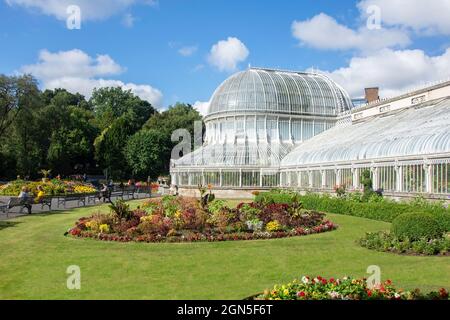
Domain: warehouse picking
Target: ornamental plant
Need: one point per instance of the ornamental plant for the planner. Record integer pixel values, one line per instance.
(273, 226)
(347, 288)
(388, 242)
(159, 222)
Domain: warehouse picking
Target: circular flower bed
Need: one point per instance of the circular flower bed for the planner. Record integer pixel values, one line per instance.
(179, 219)
(319, 288)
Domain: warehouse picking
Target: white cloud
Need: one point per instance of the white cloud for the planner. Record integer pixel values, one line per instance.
(201, 107)
(76, 71)
(394, 71)
(430, 17)
(324, 32)
(128, 20)
(187, 50)
(227, 54)
(90, 10)
(73, 63)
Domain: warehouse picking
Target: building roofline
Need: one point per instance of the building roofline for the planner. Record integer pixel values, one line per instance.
(427, 88)
(283, 70)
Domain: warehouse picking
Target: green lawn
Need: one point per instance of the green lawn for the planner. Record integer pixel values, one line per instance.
(35, 255)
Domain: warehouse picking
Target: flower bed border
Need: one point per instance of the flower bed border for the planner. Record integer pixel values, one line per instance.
(392, 250)
(325, 226)
(347, 288)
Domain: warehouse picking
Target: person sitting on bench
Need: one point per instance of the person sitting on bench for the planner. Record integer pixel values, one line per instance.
(25, 196)
(104, 192)
(40, 195)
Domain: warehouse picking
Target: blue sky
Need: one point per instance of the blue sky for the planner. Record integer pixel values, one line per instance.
(164, 50)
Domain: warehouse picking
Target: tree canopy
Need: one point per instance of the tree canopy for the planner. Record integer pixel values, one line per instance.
(115, 130)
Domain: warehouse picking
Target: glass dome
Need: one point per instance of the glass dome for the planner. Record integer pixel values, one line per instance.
(255, 118)
(281, 92)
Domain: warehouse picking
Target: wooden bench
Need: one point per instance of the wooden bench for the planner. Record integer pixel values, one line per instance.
(20, 202)
(92, 197)
(80, 198)
(129, 192)
(46, 202)
(116, 194)
(3, 208)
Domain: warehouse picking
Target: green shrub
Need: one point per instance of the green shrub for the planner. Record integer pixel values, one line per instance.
(385, 210)
(388, 242)
(274, 197)
(416, 226)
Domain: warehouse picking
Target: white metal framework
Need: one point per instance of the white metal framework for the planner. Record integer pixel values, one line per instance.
(270, 128)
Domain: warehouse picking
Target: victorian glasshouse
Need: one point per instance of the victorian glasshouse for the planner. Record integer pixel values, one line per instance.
(270, 128)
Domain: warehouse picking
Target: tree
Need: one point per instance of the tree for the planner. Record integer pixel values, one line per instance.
(112, 103)
(179, 116)
(15, 94)
(109, 146)
(20, 101)
(72, 144)
(145, 153)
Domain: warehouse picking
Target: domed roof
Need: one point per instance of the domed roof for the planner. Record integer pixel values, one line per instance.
(281, 92)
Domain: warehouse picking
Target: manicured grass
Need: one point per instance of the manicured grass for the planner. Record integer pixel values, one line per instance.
(35, 255)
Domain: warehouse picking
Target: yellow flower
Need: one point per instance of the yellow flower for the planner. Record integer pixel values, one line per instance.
(83, 189)
(93, 225)
(273, 226)
(146, 218)
(104, 228)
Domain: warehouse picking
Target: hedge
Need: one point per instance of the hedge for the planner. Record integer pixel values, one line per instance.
(386, 210)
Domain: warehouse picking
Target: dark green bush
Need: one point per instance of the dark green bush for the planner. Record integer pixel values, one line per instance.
(274, 197)
(416, 226)
(385, 210)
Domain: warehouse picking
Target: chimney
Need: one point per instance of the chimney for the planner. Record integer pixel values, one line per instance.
(372, 94)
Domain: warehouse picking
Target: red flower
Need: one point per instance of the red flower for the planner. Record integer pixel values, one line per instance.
(75, 232)
(388, 282)
(331, 280)
(324, 281)
(301, 294)
(443, 293)
(369, 293)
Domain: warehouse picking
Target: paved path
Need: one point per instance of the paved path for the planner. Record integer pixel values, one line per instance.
(37, 208)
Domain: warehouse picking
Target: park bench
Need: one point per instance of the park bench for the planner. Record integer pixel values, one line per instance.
(116, 194)
(19, 202)
(3, 207)
(45, 202)
(92, 197)
(79, 198)
(129, 192)
(25, 203)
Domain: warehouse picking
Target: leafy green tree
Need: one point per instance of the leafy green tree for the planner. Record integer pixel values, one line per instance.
(144, 153)
(16, 93)
(179, 116)
(19, 146)
(110, 145)
(72, 144)
(112, 103)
